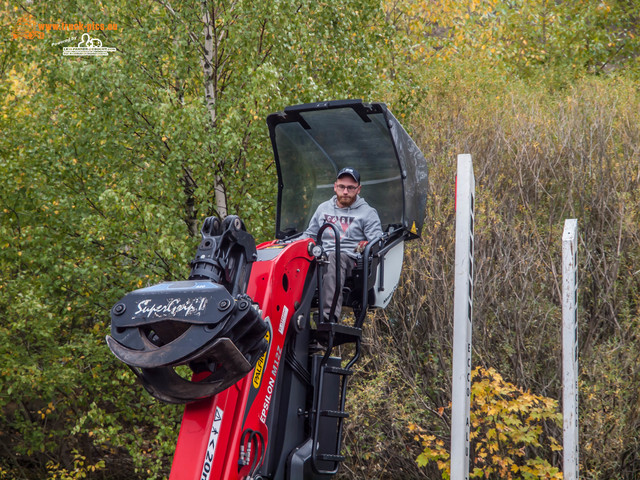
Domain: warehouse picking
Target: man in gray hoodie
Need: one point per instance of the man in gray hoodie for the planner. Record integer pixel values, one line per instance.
(358, 223)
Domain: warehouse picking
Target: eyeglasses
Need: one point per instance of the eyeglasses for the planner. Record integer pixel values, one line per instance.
(350, 188)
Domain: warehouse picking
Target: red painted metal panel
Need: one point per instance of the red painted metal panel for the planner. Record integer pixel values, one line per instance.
(209, 441)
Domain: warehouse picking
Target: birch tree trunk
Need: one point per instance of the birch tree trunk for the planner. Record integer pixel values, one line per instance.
(209, 63)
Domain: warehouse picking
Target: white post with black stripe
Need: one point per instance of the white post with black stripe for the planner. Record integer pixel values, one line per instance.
(462, 320)
(570, 350)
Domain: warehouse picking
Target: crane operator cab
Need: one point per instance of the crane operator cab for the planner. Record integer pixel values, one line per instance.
(312, 143)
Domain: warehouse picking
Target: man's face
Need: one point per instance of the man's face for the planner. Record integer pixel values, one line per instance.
(347, 189)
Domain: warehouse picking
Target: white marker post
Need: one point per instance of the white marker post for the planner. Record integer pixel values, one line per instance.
(462, 320)
(570, 349)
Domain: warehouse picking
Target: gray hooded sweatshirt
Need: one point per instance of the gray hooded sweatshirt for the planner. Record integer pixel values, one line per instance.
(356, 223)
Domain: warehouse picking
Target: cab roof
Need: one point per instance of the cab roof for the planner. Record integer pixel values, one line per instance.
(313, 142)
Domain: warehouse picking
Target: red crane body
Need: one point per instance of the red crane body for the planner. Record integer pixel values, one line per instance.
(265, 390)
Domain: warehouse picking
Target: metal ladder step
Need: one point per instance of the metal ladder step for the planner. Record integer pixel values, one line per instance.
(342, 333)
(330, 458)
(334, 413)
(338, 370)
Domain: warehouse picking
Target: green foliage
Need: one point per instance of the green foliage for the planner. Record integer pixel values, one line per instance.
(528, 38)
(109, 165)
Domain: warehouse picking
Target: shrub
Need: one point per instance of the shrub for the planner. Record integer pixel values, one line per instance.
(508, 429)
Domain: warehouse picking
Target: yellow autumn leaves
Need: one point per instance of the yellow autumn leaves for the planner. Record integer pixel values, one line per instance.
(507, 430)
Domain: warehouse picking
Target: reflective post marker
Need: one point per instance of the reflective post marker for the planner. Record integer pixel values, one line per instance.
(570, 349)
(462, 320)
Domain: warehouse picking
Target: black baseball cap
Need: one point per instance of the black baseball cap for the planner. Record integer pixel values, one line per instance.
(352, 172)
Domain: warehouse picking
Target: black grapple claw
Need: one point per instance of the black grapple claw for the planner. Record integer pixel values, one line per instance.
(206, 322)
